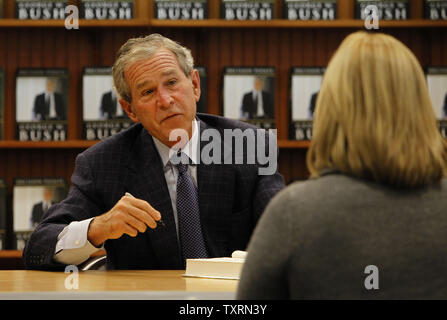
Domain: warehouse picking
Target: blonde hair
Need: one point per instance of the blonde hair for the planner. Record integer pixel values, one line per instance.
(374, 118)
(144, 47)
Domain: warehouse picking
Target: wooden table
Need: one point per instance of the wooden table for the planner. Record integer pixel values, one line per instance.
(123, 285)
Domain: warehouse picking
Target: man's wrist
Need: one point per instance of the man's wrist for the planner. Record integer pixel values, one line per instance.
(94, 234)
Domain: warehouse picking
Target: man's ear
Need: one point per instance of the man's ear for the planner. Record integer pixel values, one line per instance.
(128, 109)
(195, 79)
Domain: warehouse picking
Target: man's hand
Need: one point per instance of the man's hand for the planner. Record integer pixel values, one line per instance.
(128, 216)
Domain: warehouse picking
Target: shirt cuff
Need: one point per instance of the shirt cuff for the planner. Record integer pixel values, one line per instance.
(73, 246)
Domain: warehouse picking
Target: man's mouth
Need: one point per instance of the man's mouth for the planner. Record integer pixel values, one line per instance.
(171, 116)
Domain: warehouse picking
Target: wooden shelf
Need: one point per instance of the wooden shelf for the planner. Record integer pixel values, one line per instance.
(282, 23)
(84, 144)
(16, 23)
(69, 144)
(220, 23)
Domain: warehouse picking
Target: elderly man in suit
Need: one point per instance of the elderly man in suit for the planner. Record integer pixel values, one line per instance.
(125, 185)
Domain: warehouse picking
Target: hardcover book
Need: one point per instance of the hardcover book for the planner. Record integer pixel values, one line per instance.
(102, 113)
(2, 213)
(202, 103)
(40, 9)
(437, 86)
(305, 85)
(247, 9)
(386, 9)
(219, 268)
(249, 95)
(41, 104)
(32, 198)
(107, 9)
(2, 97)
(181, 9)
(310, 9)
(435, 9)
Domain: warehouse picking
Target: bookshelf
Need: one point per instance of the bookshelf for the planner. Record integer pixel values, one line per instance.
(215, 44)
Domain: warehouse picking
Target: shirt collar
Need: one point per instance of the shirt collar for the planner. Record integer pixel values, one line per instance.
(190, 148)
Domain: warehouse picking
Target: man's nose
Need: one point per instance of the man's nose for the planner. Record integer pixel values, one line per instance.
(164, 98)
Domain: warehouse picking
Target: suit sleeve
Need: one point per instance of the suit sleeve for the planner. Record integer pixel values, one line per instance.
(80, 204)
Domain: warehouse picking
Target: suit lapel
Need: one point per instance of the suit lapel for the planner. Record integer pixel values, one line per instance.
(145, 180)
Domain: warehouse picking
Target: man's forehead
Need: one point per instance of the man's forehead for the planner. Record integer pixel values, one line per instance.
(163, 62)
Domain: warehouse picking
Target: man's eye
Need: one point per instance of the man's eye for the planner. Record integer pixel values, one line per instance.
(172, 82)
(147, 92)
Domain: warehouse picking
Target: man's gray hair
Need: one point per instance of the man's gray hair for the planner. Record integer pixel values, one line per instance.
(136, 49)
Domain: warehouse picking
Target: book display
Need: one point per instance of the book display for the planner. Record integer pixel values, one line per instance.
(201, 104)
(305, 85)
(437, 86)
(181, 9)
(249, 95)
(107, 9)
(102, 113)
(435, 9)
(40, 9)
(310, 9)
(386, 9)
(41, 104)
(32, 198)
(247, 9)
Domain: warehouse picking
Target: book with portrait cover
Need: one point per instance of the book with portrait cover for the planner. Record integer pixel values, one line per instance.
(40, 9)
(41, 104)
(305, 85)
(386, 9)
(437, 87)
(310, 9)
(32, 197)
(181, 9)
(2, 213)
(102, 114)
(247, 9)
(435, 9)
(2, 99)
(107, 9)
(203, 101)
(249, 95)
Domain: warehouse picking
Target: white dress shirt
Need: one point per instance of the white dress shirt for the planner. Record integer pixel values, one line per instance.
(73, 246)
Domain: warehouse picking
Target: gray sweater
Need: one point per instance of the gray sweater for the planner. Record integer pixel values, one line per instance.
(316, 238)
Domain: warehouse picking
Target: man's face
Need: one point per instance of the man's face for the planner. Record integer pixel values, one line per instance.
(163, 97)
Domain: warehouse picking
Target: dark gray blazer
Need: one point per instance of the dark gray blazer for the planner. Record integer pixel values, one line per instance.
(231, 199)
